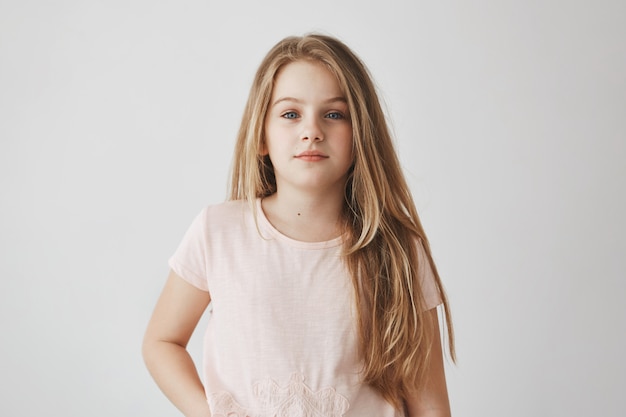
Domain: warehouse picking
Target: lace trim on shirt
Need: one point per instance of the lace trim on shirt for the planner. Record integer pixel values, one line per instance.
(294, 400)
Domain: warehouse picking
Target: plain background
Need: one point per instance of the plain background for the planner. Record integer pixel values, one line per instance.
(117, 123)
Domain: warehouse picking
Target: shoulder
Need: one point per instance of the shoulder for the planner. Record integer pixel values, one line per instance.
(226, 209)
(225, 216)
(232, 210)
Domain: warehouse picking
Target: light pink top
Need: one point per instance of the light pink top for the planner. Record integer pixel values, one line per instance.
(281, 339)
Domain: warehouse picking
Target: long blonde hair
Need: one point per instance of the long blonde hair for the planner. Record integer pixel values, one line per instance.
(381, 223)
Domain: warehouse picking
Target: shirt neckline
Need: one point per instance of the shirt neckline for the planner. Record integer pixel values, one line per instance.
(266, 225)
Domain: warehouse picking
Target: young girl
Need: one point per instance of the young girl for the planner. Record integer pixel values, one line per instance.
(320, 277)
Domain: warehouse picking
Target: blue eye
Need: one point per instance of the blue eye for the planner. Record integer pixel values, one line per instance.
(334, 115)
(290, 115)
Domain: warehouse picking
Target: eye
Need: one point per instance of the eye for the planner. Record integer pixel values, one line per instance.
(289, 115)
(335, 115)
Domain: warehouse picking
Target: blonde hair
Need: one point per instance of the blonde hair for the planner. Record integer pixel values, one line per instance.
(381, 223)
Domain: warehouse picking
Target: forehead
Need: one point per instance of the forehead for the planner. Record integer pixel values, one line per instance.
(307, 79)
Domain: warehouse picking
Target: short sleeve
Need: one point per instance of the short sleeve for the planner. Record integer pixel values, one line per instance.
(190, 259)
(430, 292)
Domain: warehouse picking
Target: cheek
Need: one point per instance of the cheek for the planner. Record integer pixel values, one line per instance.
(348, 139)
(273, 131)
(346, 147)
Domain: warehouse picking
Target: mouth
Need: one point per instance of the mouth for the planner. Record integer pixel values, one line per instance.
(311, 156)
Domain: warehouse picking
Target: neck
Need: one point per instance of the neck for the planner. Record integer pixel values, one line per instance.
(309, 217)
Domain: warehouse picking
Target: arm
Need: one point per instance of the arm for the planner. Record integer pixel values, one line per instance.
(174, 319)
(433, 400)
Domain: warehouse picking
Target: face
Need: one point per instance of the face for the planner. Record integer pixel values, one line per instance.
(308, 133)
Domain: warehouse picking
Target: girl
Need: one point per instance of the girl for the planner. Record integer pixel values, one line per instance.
(320, 277)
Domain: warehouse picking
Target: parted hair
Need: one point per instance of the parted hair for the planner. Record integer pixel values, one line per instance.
(381, 225)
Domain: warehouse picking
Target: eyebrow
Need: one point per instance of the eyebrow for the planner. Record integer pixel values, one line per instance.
(295, 100)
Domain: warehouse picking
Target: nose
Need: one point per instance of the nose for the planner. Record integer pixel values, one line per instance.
(312, 131)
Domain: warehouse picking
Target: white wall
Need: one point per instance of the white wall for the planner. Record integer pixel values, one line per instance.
(117, 121)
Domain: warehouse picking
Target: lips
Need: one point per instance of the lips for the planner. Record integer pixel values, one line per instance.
(311, 156)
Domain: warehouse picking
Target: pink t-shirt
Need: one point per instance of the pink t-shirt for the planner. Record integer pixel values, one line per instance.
(281, 339)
